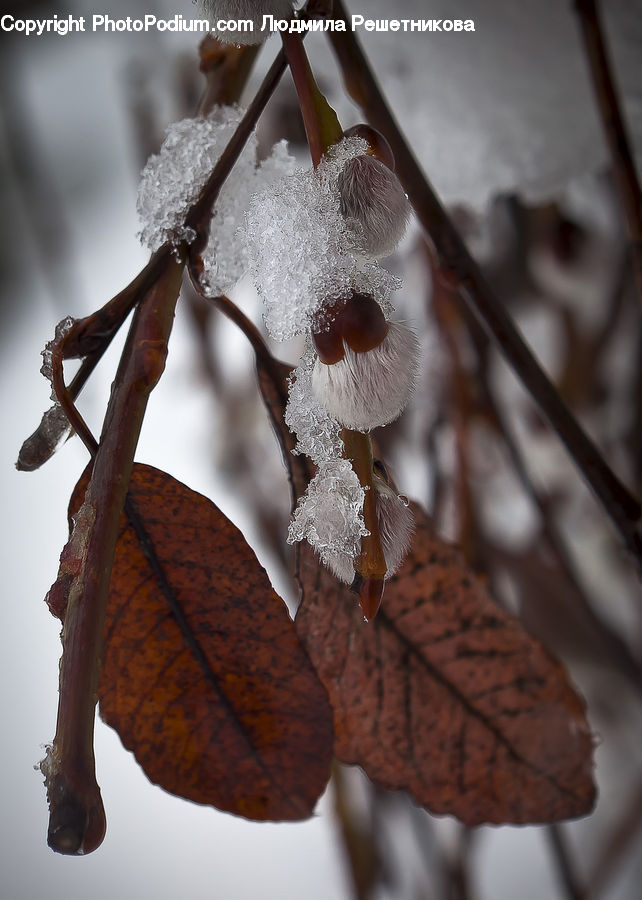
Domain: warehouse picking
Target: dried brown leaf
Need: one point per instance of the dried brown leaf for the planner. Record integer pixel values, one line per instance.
(445, 695)
(203, 676)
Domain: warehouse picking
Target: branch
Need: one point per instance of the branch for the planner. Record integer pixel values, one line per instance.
(620, 505)
(564, 865)
(615, 132)
(88, 338)
(77, 818)
(200, 214)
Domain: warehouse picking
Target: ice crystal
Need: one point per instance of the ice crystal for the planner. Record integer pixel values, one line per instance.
(302, 247)
(318, 435)
(330, 517)
(53, 431)
(172, 180)
(62, 329)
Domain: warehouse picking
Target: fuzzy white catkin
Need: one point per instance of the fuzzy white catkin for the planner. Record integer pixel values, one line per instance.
(396, 524)
(374, 205)
(249, 10)
(365, 390)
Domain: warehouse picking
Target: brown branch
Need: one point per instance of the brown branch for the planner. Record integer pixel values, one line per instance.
(77, 819)
(360, 848)
(200, 214)
(618, 650)
(615, 131)
(615, 847)
(226, 69)
(564, 865)
(322, 126)
(88, 338)
(620, 505)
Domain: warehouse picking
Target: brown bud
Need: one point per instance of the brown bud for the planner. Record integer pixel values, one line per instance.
(378, 146)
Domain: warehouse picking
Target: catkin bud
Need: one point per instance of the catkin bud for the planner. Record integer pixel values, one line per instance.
(378, 145)
(364, 390)
(252, 10)
(396, 524)
(374, 205)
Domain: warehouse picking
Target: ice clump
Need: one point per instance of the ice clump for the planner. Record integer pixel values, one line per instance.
(330, 517)
(318, 435)
(303, 251)
(173, 179)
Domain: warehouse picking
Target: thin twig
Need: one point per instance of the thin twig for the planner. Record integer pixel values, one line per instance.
(617, 844)
(619, 650)
(77, 819)
(200, 214)
(615, 131)
(621, 506)
(564, 865)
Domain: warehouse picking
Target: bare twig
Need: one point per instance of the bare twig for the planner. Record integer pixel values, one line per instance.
(360, 847)
(565, 867)
(615, 132)
(200, 214)
(77, 819)
(618, 843)
(618, 650)
(88, 338)
(621, 506)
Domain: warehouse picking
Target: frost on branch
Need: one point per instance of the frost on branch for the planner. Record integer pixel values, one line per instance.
(172, 180)
(304, 252)
(330, 517)
(54, 428)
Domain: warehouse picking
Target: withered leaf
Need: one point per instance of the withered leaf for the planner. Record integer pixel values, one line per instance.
(203, 676)
(445, 695)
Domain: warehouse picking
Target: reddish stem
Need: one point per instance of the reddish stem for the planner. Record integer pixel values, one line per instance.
(77, 818)
(615, 132)
(322, 127)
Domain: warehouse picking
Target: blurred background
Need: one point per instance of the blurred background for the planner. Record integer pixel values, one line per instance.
(504, 123)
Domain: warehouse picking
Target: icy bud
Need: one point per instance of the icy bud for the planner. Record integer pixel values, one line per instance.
(172, 180)
(330, 517)
(396, 524)
(248, 10)
(302, 247)
(367, 367)
(374, 205)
